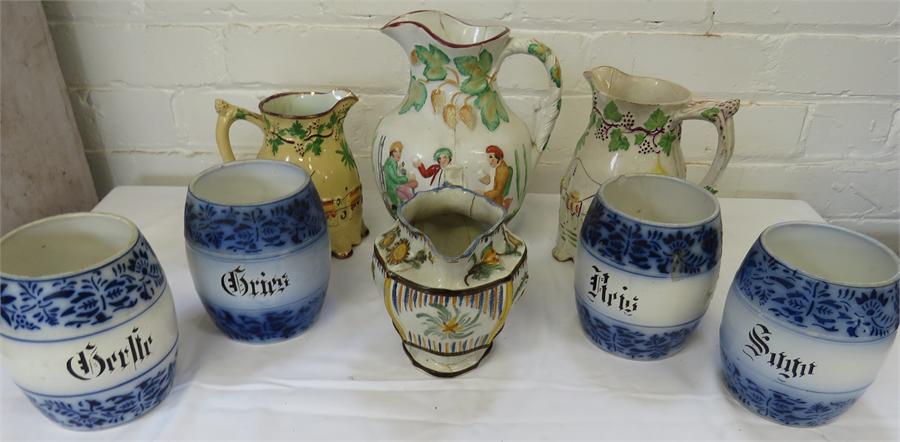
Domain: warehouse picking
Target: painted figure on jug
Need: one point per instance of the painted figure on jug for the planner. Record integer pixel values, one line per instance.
(400, 186)
(498, 187)
(442, 157)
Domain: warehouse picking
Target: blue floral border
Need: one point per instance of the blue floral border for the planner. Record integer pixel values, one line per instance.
(628, 342)
(783, 405)
(649, 250)
(84, 301)
(268, 325)
(279, 226)
(94, 412)
(810, 303)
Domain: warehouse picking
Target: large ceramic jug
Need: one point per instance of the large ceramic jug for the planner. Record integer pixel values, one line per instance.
(453, 127)
(307, 129)
(634, 127)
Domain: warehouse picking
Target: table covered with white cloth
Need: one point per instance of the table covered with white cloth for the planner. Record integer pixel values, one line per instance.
(347, 377)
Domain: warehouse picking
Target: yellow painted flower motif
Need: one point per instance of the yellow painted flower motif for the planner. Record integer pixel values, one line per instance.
(490, 257)
(451, 326)
(388, 239)
(399, 252)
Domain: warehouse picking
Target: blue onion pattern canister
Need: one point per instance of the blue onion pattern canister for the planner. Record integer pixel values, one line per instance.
(809, 319)
(647, 264)
(88, 324)
(258, 249)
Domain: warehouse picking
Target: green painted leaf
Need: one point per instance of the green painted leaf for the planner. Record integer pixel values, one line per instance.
(665, 142)
(611, 112)
(275, 143)
(710, 114)
(656, 120)
(476, 69)
(347, 157)
(539, 50)
(617, 141)
(434, 60)
(711, 190)
(492, 109)
(639, 138)
(297, 130)
(240, 114)
(555, 74)
(415, 96)
(315, 146)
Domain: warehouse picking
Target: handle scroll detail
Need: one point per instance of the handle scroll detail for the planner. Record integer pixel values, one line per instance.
(228, 114)
(720, 114)
(551, 103)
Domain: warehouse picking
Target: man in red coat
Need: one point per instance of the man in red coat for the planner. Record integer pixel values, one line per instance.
(443, 157)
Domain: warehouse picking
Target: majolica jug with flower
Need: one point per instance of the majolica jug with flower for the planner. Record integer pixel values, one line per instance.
(453, 127)
(634, 127)
(449, 272)
(307, 129)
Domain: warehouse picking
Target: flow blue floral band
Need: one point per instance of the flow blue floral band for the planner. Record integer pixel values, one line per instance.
(650, 250)
(807, 302)
(268, 325)
(279, 226)
(86, 301)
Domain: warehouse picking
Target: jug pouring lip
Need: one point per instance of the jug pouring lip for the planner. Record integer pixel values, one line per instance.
(601, 79)
(339, 95)
(493, 209)
(422, 17)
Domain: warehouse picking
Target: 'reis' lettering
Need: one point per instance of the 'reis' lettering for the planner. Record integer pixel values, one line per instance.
(235, 283)
(90, 363)
(599, 283)
(787, 367)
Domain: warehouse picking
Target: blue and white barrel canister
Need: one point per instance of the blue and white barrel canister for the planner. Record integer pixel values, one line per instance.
(257, 245)
(809, 319)
(88, 324)
(647, 264)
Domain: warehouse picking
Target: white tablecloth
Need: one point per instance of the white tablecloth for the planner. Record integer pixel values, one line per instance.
(347, 377)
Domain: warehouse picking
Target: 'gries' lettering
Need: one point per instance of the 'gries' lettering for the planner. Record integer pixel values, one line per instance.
(787, 367)
(236, 283)
(599, 283)
(90, 363)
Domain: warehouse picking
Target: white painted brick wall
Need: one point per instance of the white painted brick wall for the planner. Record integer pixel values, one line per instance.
(819, 81)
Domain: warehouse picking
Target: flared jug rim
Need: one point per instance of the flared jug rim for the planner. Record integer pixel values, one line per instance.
(411, 18)
(470, 249)
(345, 95)
(592, 74)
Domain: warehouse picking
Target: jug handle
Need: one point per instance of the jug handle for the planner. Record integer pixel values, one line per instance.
(549, 106)
(228, 114)
(719, 114)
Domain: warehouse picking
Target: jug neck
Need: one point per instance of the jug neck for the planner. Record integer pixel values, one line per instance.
(310, 108)
(434, 41)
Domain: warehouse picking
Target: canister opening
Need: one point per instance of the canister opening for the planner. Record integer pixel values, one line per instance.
(248, 183)
(65, 245)
(659, 200)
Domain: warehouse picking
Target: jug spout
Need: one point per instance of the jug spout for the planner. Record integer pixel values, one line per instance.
(621, 86)
(442, 30)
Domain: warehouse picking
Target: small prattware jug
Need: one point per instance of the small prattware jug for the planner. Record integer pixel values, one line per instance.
(809, 319)
(307, 129)
(647, 265)
(634, 127)
(88, 321)
(453, 126)
(257, 246)
(449, 272)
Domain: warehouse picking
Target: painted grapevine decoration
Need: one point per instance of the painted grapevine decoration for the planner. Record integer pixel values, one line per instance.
(655, 135)
(314, 141)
